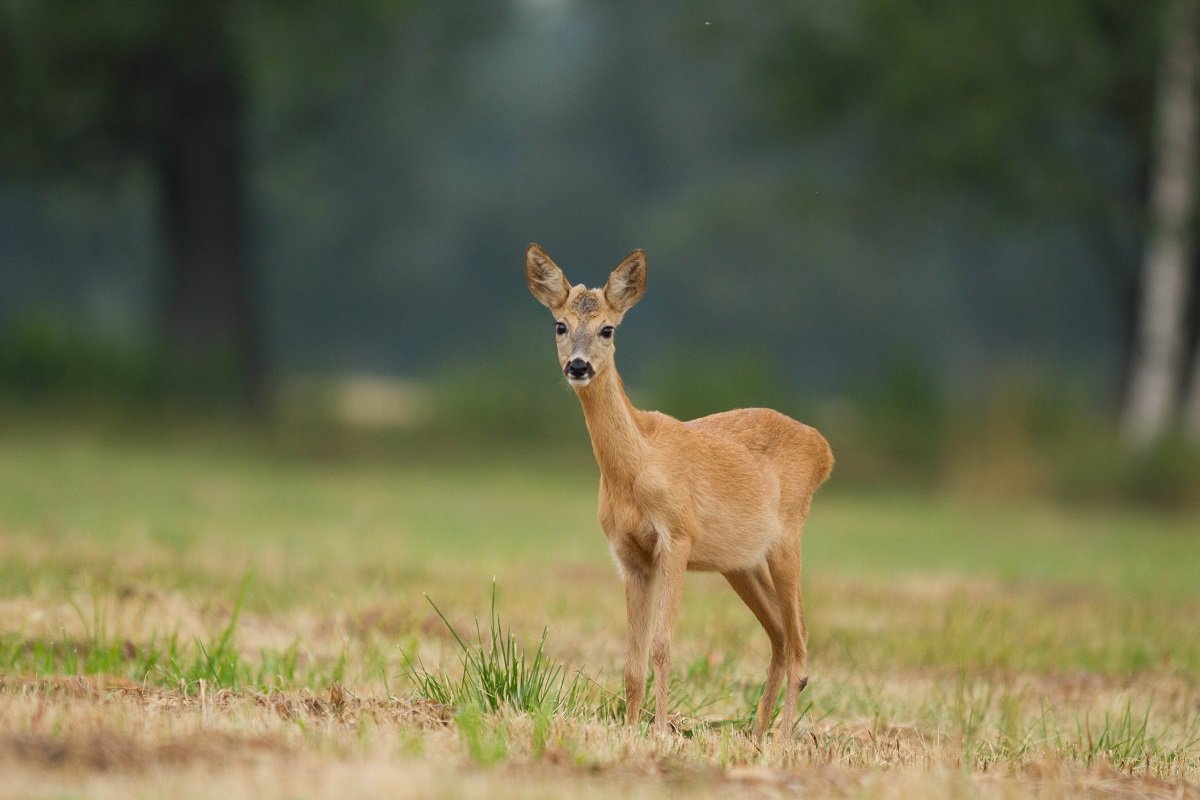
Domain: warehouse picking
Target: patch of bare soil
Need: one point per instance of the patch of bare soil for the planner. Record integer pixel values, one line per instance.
(105, 749)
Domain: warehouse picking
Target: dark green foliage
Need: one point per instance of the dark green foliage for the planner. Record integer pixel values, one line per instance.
(86, 84)
(47, 357)
(1166, 474)
(43, 355)
(1025, 435)
(904, 417)
(705, 383)
(1022, 100)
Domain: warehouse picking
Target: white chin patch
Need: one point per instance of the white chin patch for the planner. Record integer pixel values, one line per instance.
(579, 382)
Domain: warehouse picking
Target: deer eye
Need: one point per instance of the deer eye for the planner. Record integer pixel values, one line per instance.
(606, 332)
(560, 328)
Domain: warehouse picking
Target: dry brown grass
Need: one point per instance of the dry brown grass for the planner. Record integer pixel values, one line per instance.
(870, 732)
(102, 738)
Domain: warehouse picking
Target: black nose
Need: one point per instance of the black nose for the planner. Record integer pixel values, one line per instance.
(578, 368)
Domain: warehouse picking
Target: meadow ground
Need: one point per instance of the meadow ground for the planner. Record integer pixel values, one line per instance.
(190, 614)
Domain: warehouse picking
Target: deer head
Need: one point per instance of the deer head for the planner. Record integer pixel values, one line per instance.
(585, 320)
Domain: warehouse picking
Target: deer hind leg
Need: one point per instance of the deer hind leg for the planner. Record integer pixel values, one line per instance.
(784, 564)
(758, 593)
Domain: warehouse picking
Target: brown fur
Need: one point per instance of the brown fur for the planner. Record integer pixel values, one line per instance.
(727, 493)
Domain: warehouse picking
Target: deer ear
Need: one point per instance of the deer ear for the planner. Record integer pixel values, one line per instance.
(546, 281)
(627, 283)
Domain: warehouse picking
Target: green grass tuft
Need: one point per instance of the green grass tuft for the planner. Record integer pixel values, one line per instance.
(498, 674)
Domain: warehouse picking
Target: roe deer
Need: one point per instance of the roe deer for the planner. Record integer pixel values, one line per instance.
(727, 493)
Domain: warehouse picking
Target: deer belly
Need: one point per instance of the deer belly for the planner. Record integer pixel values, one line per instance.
(722, 547)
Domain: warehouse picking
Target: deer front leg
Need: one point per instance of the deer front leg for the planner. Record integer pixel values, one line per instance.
(638, 608)
(670, 570)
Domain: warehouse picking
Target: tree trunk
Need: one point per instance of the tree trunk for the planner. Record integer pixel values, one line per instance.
(210, 320)
(1191, 409)
(1158, 355)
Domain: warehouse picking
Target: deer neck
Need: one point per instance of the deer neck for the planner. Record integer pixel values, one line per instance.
(612, 423)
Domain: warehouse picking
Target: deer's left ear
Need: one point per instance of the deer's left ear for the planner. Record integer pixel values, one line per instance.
(627, 283)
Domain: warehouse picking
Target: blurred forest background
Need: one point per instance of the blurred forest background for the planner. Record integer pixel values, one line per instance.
(955, 236)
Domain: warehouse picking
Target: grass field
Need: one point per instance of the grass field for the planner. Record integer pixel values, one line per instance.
(197, 614)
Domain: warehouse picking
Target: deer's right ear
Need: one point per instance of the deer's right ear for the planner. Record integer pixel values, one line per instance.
(546, 281)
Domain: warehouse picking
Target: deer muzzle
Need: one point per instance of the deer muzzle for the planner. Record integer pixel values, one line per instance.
(578, 369)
